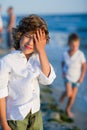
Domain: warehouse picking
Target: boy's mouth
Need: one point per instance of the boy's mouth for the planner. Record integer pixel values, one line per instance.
(28, 47)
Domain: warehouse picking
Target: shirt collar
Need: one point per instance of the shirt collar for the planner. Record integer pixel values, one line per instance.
(20, 53)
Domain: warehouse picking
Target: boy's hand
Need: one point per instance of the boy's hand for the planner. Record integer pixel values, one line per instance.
(5, 127)
(40, 40)
(80, 80)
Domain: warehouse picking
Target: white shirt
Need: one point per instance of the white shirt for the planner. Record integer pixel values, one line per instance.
(73, 65)
(19, 83)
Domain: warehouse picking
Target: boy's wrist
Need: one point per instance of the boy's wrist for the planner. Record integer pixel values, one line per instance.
(6, 127)
(41, 51)
(80, 80)
(3, 122)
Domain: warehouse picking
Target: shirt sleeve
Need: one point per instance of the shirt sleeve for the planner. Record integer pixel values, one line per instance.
(47, 80)
(82, 57)
(4, 78)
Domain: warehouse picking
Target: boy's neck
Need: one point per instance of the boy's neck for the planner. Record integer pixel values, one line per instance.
(71, 52)
(28, 56)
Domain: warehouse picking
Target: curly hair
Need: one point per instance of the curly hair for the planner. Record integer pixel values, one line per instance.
(29, 24)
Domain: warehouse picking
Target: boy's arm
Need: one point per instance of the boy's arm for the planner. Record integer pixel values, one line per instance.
(3, 120)
(4, 78)
(62, 64)
(47, 74)
(45, 66)
(63, 73)
(83, 71)
(40, 42)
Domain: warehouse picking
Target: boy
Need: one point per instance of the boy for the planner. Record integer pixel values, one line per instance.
(73, 68)
(20, 75)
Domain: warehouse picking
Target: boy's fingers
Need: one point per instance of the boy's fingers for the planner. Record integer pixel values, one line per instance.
(35, 39)
(40, 32)
(38, 35)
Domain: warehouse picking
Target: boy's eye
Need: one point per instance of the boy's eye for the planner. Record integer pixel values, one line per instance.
(28, 38)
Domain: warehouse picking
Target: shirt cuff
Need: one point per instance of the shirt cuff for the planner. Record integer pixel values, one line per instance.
(47, 80)
(3, 92)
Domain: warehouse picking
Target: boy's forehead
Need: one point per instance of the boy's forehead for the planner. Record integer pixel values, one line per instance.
(30, 33)
(75, 42)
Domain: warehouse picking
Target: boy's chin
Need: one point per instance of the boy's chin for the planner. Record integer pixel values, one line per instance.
(28, 52)
(74, 49)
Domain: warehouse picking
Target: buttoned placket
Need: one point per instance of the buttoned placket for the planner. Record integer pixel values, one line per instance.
(28, 64)
(33, 71)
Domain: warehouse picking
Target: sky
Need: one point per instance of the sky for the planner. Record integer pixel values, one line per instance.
(45, 6)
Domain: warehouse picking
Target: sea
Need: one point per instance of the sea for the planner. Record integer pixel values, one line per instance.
(60, 27)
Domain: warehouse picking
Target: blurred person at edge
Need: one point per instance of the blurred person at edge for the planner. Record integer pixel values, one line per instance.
(10, 25)
(1, 24)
